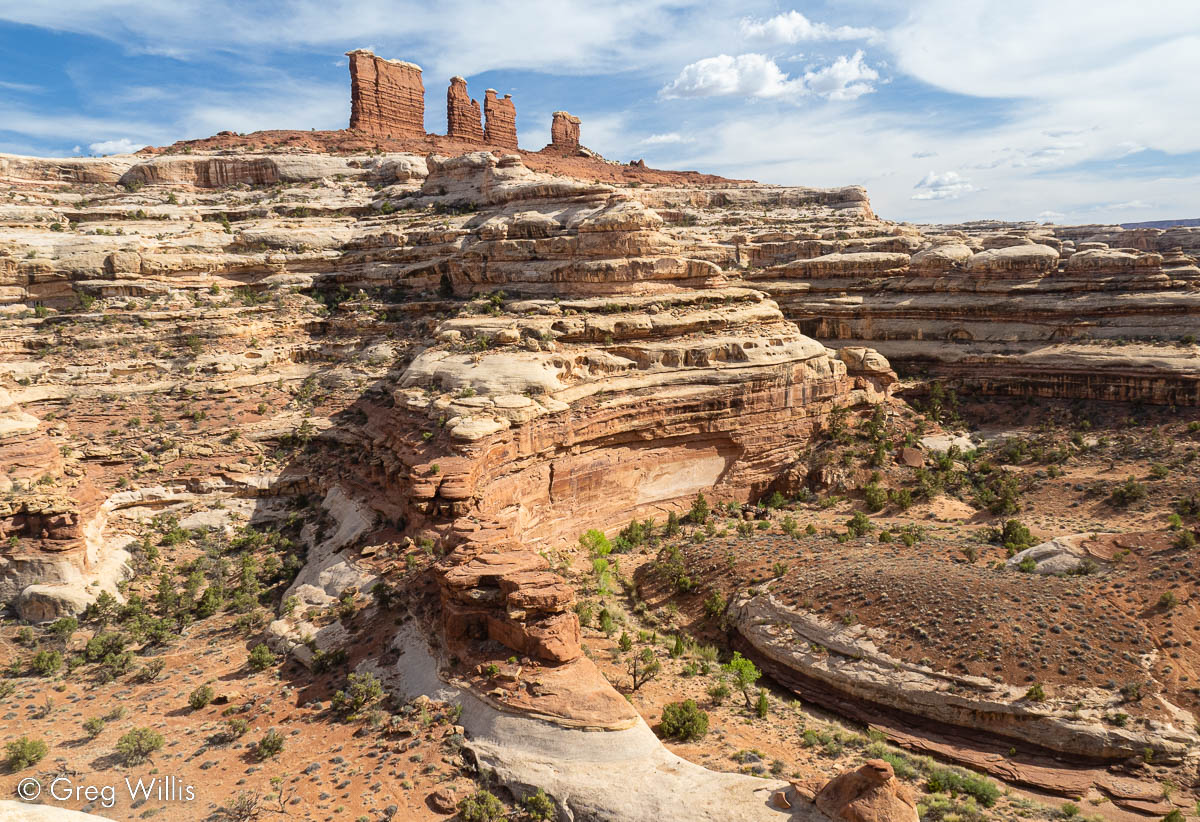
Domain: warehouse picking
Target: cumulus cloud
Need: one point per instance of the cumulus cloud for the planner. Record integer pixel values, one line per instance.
(794, 27)
(947, 186)
(747, 75)
(756, 75)
(846, 79)
(122, 146)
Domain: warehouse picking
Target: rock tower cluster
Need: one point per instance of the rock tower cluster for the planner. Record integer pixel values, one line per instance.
(387, 99)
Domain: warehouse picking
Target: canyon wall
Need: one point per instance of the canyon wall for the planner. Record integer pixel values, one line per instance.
(501, 114)
(387, 98)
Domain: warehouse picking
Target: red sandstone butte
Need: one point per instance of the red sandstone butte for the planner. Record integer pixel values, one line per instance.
(564, 131)
(501, 129)
(387, 98)
(463, 118)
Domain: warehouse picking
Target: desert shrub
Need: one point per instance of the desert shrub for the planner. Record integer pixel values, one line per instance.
(200, 697)
(699, 511)
(137, 745)
(270, 745)
(1128, 492)
(684, 721)
(47, 663)
(762, 706)
(260, 658)
(714, 605)
(540, 807)
(875, 497)
(958, 782)
(94, 727)
(1036, 693)
(481, 806)
(719, 693)
(23, 752)
(361, 691)
(858, 525)
(596, 543)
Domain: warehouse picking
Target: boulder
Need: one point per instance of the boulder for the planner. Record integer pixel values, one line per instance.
(870, 794)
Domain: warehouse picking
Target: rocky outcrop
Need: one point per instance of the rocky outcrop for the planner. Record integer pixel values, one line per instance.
(870, 794)
(501, 114)
(510, 597)
(564, 132)
(840, 665)
(463, 118)
(387, 97)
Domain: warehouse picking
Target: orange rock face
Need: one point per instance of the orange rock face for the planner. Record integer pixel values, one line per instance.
(463, 118)
(564, 131)
(510, 597)
(501, 114)
(387, 97)
(870, 794)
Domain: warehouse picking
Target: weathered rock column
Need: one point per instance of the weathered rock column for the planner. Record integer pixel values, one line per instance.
(387, 97)
(463, 118)
(501, 129)
(564, 132)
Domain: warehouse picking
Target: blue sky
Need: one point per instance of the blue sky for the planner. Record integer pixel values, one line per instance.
(947, 110)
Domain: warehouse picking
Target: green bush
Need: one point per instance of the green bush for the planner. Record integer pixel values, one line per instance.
(684, 721)
(596, 544)
(763, 705)
(1128, 492)
(260, 658)
(699, 511)
(859, 525)
(270, 745)
(200, 697)
(481, 806)
(47, 663)
(94, 727)
(876, 498)
(955, 782)
(23, 752)
(540, 807)
(137, 745)
(361, 691)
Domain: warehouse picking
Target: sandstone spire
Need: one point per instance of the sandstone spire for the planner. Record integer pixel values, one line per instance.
(501, 129)
(387, 98)
(463, 118)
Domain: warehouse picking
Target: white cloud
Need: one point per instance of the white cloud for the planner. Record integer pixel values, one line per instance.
(670, 138)
(747, 75)
(1050, 216)
(11, 86)
(122, 146)
(794, 27)
(846, 79)
(756, 75)
(947, 186)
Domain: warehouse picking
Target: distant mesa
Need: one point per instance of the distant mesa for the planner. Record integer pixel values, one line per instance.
(387, 99)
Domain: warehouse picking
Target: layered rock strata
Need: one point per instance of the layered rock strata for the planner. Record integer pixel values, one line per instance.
(463, 118)
(564, 132)
(387, 97)
(501, 115)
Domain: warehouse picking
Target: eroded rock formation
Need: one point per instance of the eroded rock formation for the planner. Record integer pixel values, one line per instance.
(501, 114)
(462, 113)
(387, 97)
(870, 794)
(564, 132)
